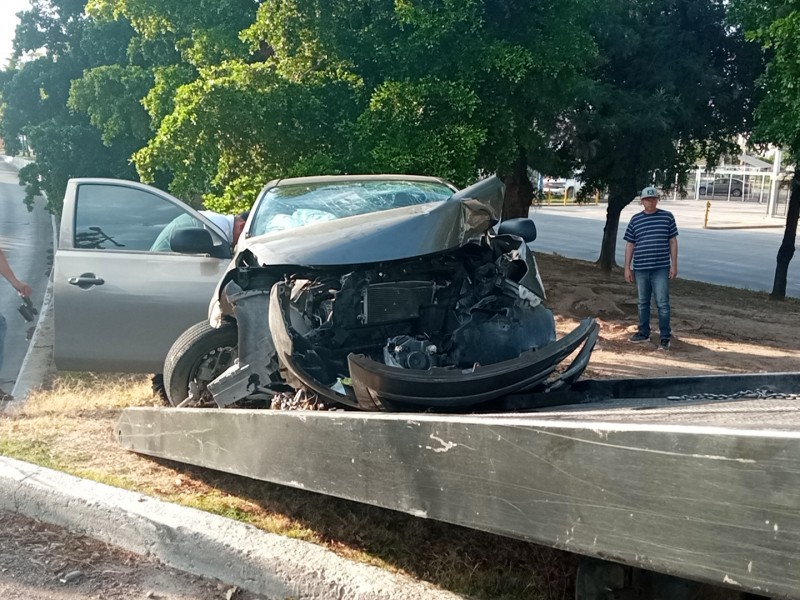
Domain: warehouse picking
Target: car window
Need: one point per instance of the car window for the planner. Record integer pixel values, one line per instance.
(289, 206)
(117, 217)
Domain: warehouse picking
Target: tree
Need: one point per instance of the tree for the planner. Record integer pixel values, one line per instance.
(35, 98)
(176, 44)
(239, 125)
(776, 26)
(674, 81)
(204, 32)
(213, 98)
(111, 96)
(447, 87)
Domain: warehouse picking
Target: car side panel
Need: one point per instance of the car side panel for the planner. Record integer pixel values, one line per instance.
(128, 323)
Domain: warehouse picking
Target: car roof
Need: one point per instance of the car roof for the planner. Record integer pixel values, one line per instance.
(344, 178)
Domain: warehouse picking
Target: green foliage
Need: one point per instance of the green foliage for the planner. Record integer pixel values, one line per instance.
(241, 123)
(450, 87)
(217, 96)
(36, 92)
(109, 95)
(674, 81)
(205, 31)
(776, 26)
(422, 127)
(66, 147)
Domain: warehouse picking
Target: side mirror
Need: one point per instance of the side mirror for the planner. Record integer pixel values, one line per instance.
(520, 227)
(192, 240)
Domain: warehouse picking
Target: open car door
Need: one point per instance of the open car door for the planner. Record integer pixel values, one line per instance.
(122, 295)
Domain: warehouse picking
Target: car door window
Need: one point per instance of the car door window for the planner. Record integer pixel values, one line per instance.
(116, 217)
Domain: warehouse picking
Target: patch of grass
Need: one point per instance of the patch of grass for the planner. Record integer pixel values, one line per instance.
(117, 481)
(32, 451)
(71, 427)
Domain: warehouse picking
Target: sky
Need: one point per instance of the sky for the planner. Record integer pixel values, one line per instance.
(8, 22)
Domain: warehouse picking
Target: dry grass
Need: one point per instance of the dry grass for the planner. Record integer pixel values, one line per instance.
(70, 427)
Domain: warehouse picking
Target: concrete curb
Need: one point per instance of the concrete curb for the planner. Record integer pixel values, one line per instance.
(199, 542)
(747, 226)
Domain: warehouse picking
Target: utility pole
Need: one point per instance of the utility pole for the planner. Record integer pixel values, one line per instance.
(772, 204)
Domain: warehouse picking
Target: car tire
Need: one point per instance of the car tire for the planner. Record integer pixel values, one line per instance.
(702, 191)
(736, 193)
(200, 345)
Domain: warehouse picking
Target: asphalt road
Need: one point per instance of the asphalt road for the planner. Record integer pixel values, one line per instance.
(736, 256)
(27, 240)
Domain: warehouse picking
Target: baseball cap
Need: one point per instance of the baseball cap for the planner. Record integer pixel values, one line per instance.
(649, 192)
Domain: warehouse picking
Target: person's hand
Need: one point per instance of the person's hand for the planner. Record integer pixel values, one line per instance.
(629, 275)
(673, 272)
(23, 289)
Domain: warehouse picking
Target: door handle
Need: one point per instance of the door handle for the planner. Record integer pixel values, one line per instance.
(86, 281)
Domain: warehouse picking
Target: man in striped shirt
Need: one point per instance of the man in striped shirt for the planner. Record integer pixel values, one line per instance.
(652, 244)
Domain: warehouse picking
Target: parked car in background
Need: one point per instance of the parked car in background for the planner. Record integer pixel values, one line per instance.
(724, 186)
(560, 187)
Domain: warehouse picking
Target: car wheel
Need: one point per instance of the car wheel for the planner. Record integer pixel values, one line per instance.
(702, 191)
(736, 193)
(197, 357)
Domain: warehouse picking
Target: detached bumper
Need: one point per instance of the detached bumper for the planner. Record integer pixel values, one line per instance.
(381, 387)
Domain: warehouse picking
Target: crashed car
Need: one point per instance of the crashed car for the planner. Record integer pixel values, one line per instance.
(377, 293)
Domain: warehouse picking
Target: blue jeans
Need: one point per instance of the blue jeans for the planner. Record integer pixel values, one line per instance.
(649, 283)
(2, 338)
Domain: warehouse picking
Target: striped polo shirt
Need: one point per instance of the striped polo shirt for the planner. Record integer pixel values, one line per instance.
(650, 236)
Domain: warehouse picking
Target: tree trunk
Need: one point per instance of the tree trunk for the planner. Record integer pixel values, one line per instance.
(619, 196)
(519, 189)
(786, 251)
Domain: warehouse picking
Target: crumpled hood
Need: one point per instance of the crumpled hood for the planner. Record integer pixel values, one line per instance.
(385, 236)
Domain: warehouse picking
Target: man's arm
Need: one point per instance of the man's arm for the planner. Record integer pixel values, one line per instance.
(628, 257)
(673, 255)
(5, 270)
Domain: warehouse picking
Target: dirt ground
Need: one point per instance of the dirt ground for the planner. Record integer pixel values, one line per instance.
(715, 329)
(45, 562)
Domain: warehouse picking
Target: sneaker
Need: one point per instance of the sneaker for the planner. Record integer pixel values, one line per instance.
(664, 345)
(639, 337)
